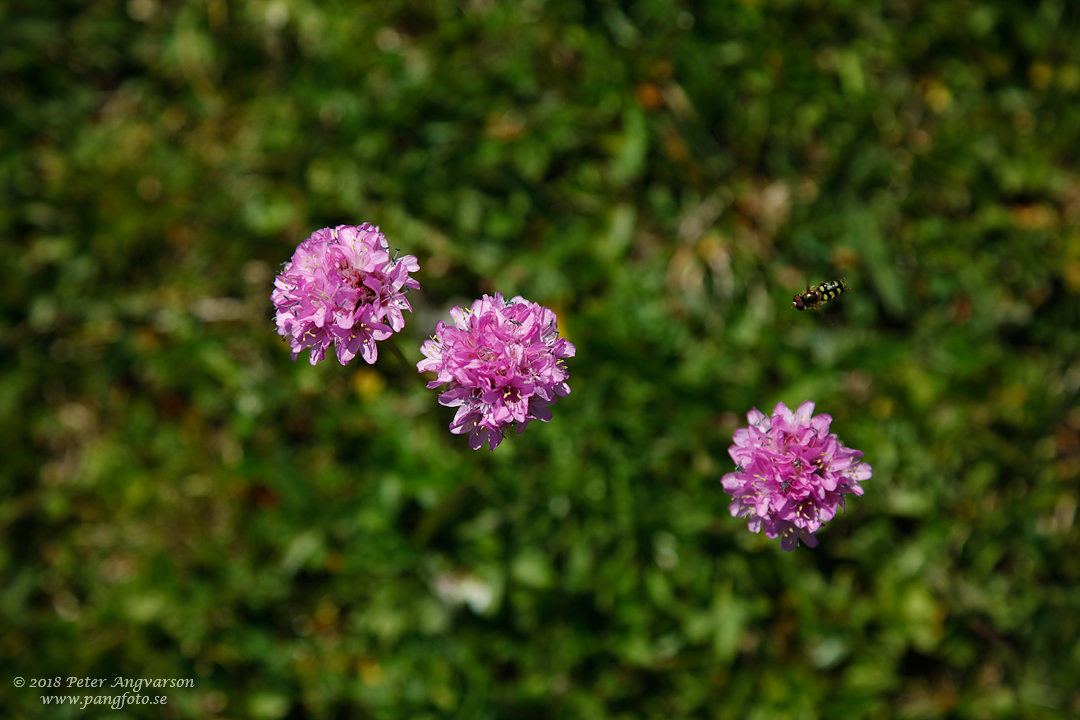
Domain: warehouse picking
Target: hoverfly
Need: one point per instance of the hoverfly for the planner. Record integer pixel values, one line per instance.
(816, 296)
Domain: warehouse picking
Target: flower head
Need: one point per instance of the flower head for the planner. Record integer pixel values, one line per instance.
(502, 363)
(791, 473)
(342, 288)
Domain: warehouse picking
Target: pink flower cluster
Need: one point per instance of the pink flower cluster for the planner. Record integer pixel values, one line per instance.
(502, 361)
(342, 288)
(791, 474)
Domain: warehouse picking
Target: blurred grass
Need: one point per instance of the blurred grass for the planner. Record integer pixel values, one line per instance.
(180, 500)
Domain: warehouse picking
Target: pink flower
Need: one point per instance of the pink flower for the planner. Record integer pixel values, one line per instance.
(502, 364)
(791, 473)
(342, 288)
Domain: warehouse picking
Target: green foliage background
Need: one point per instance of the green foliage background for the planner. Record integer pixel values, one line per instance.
(179, 500)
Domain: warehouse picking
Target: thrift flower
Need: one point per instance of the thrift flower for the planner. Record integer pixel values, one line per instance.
(342, 288)
(502, 363)
(791, 473)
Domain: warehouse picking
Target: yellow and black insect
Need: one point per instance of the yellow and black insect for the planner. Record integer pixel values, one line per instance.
(816, 296)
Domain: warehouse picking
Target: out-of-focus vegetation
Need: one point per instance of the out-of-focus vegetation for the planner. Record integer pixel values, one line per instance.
(178, 499)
